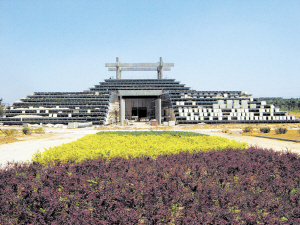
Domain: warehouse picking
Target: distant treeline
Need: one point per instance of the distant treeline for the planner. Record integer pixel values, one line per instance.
(268, 98)
(286, 104)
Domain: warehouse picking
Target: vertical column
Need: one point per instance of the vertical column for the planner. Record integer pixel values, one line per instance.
(158, 110)
(118, 69)
(160, 69)
(122, 110)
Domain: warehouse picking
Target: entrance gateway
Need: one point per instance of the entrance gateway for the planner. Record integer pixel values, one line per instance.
(141, 105)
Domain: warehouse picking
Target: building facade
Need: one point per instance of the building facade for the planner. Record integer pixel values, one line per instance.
(118, 100)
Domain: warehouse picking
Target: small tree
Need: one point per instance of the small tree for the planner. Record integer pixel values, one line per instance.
(1, 108)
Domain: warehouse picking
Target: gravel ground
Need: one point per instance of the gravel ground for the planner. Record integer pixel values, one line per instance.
(23, 150)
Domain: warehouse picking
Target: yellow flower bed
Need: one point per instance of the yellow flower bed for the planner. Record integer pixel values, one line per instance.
(113, 145)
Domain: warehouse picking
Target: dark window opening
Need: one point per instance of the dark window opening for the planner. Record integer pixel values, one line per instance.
(140, 112)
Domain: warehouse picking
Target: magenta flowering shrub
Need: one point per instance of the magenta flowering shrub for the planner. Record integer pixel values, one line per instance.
(248, 186)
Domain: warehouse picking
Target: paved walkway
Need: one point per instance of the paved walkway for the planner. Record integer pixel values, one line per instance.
(276, 145)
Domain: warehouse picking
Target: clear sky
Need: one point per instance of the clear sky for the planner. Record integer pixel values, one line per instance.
(62, 45)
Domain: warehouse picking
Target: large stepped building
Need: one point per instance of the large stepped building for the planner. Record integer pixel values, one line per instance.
(119, 100)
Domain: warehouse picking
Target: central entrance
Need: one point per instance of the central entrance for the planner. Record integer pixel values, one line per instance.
(140, 105)
(140, 108)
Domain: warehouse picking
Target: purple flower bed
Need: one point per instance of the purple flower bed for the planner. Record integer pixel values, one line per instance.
(219, 187)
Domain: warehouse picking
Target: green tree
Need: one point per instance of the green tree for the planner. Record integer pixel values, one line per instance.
(286, 104)
(1, 108)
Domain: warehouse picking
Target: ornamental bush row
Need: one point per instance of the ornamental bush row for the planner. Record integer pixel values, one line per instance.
(280, 130)
(250, 186)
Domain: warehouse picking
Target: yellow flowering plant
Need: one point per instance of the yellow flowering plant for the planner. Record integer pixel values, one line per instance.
(130, 145)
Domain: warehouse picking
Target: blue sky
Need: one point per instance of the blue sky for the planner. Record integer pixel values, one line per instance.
(62, 45)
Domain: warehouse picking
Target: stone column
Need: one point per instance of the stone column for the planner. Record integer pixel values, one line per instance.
(118, 69)
(122, 110)
(160, 69)
(158, 110)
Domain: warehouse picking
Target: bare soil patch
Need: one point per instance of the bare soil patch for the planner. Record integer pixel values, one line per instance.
(7, 139)
(19, 136)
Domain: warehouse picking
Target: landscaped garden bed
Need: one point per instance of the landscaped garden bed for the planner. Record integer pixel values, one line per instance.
(133, 144)
(224, 186)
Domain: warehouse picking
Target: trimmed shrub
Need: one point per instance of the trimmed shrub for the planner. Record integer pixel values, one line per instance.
(26, 130)
(248, 129)
(265, 129)
(281, 130)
